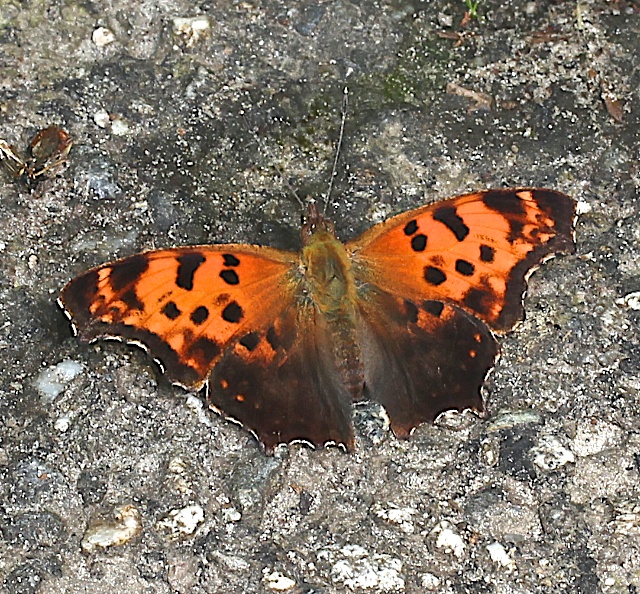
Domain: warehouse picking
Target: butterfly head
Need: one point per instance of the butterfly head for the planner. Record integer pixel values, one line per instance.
(315, 224)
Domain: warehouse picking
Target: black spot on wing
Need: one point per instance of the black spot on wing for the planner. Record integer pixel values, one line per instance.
(448, 216)
(127, 271)
(199, 315)
(479, 300)
(250, 341)
(230, 277)
(230, 260)
(188, 264)
(487, 253)
(434, 276)
(433, 307)
(282, 338)
(419, 242)
(203, 350)
(465, 268)
(232, 313)
(171, 311)
(410, 228)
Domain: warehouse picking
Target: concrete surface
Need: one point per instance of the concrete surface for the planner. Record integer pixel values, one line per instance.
(192, 130)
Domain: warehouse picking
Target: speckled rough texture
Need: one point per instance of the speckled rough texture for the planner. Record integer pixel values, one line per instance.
(189, 131)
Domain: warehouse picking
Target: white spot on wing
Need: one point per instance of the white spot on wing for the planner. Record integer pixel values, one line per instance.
(68, 315)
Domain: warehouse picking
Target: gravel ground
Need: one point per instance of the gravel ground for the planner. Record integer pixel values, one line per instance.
(191, 123)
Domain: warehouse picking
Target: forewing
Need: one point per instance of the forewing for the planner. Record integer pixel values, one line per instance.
(474, 251)
(183, 305)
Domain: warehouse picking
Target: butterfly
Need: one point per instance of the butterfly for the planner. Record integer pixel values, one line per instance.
(46, 155)
(405, 315)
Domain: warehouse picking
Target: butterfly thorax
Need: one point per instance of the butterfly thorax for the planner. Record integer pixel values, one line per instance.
(328, 279)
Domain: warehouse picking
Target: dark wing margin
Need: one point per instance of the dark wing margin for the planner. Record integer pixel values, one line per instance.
(559, 208)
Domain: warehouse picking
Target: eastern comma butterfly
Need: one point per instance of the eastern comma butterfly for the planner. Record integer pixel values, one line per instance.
(46, 155)
(404, 315)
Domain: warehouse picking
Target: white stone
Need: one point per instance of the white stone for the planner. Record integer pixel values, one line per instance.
(63, 423)
(401, 516)
(630, 301)
(499, 554)
(119, 127)
(104, 534)
(278, 582)
(430, 582)
(192, 29)
(550, 454)
(52, 381)
(583, 207)
(102, 118)
(183, 521)
(448, 540)
(354, 551)
(102, 36)
(359, 570)
(231, 514)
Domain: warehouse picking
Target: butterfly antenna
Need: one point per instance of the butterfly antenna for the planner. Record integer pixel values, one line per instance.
(291, 189)
(345, 105)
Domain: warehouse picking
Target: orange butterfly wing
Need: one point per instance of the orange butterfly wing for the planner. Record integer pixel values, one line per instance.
(235, 308)
(428, 280)
(474, 251)
(184, 305)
